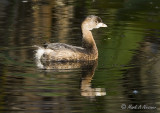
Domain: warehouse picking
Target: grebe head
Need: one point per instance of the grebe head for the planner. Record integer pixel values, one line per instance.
(92, 22)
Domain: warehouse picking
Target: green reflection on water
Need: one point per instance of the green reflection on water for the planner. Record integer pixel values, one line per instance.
(128, 27)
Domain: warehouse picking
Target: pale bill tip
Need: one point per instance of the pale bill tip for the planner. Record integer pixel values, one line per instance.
(104, 25)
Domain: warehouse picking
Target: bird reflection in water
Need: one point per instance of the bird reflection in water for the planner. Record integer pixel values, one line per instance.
(88, 70)
(87, 75)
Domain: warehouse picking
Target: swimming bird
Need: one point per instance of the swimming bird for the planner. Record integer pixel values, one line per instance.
(65, 52)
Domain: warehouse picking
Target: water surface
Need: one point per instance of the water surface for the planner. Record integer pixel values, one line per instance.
(125, 76)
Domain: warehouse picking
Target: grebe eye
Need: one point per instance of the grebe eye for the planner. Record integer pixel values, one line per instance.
(96, 22)
(99, 20)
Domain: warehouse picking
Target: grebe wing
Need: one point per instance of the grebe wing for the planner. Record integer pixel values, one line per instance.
(62, 46)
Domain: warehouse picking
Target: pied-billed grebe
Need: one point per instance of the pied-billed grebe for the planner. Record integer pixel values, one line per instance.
(64, 52)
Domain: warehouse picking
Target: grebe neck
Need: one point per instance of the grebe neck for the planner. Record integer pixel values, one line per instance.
(88, 42)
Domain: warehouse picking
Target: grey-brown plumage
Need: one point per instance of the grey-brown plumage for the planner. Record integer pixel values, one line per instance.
(64, 52)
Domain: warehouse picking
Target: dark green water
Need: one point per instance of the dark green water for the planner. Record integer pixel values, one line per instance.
(126, 78)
